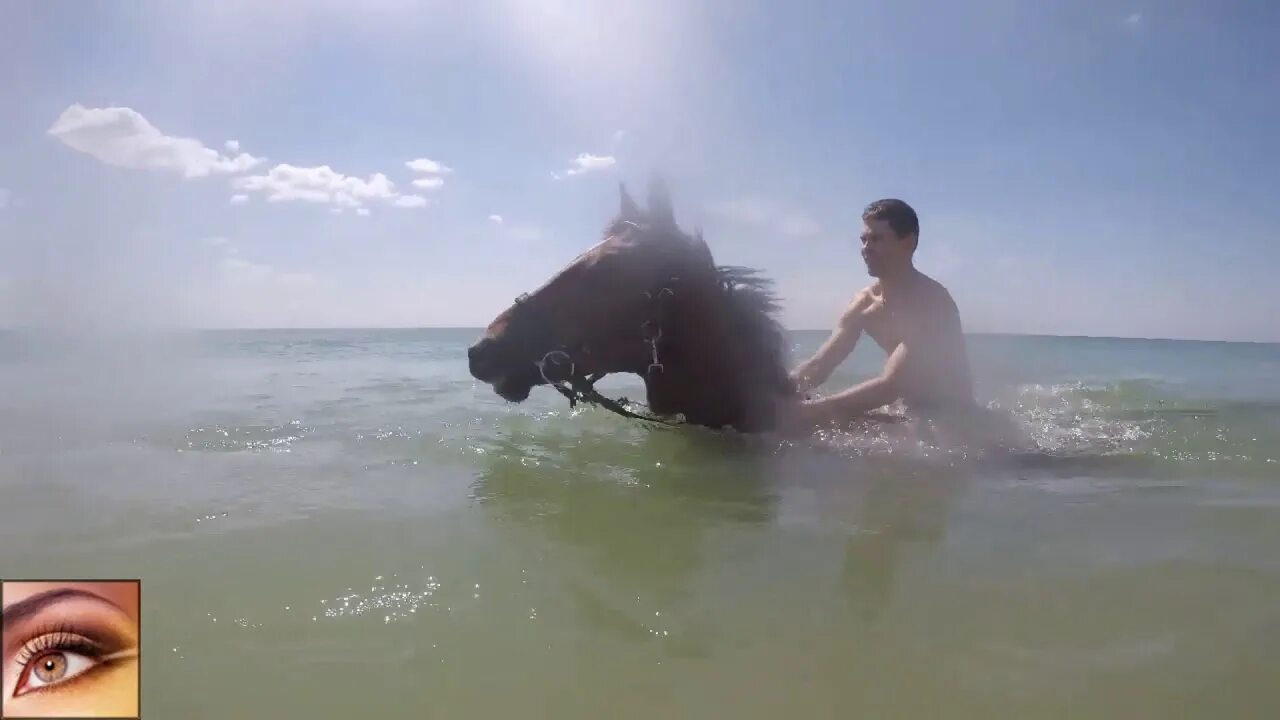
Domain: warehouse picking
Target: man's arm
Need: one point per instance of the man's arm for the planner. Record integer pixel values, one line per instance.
(815, 371)
(863, 397)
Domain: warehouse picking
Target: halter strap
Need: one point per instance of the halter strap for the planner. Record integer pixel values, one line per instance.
(577, 387)
(581, 388)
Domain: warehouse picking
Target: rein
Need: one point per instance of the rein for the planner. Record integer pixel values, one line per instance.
(560, 372)
(579, 388)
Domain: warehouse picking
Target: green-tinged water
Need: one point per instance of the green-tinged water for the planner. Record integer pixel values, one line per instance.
(342, 524)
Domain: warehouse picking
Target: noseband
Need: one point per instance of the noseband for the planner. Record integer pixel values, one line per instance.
(560, 371)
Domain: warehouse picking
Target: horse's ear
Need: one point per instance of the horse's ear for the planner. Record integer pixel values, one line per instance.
(660, 210)
(628, 209)
(703, 249)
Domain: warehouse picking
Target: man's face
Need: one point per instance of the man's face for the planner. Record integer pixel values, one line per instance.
(883, 250)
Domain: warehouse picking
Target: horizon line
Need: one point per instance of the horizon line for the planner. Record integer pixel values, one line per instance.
(478, 328)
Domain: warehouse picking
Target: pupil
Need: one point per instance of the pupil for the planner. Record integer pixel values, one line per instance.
(52, 668)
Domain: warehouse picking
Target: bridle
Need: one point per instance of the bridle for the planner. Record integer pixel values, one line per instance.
(561, 372)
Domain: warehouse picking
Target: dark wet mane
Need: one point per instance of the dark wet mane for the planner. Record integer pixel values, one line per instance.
(751, 304)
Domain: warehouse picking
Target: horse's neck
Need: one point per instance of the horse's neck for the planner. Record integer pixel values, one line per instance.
(719, 382)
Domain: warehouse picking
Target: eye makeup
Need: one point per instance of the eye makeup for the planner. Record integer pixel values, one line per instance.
(70, 650)
(59, 654)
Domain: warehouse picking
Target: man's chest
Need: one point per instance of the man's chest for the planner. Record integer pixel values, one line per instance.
(889, 325)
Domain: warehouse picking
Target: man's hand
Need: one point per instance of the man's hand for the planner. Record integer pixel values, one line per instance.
(792, 417)
(815, 371)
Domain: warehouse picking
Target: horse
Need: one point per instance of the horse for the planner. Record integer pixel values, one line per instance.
(648, 299)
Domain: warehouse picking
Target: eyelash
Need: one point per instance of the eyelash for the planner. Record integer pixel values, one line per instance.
(56, 638)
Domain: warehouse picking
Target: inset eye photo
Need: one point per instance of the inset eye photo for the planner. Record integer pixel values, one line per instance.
(70, 649)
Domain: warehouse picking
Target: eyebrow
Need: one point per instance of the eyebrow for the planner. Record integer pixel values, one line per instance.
(24, 609)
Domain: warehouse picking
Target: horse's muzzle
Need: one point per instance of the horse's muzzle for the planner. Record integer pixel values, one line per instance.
(484, 360)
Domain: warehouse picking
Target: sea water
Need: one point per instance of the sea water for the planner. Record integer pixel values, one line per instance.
(335, 524)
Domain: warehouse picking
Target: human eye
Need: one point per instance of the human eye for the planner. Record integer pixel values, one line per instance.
(69, 646)
(58, 656)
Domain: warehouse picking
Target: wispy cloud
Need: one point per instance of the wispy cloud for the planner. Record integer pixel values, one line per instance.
(239, 291)
(239, 199)
(1133, 20)
(410, 201)
(122, 137)
(496, 218)
(433, 171)
(585, 163)
(431, 167)
(288, 183)
(768, 214)
(240, 270)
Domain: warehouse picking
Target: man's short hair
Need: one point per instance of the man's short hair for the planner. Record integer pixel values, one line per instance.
(897, 213)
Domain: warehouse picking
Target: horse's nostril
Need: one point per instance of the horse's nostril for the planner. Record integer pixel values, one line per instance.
(481, 359)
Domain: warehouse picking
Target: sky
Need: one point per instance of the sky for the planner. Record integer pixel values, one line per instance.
(1079, 168)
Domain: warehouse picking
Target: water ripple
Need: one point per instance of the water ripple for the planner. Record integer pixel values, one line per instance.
(397, 602)
(234, 438)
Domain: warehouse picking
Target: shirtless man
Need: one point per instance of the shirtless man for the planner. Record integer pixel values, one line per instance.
(908, 314)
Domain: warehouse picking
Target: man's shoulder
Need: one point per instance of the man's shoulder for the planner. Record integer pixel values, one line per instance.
(859, 304)
(936, 294)
(867, 294)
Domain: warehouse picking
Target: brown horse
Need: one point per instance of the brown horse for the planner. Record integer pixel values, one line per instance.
(648, 299)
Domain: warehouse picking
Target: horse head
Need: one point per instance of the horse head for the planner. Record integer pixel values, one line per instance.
(647, 299)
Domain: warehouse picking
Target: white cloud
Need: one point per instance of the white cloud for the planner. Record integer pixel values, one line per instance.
(232, 146)
(122, 137)
(410, 201)
(336, 210)
(239, 199)
(362, 212)
(431, 167)
(619, 136)
(1133, 20)
(496, 218)
(434, 172)
(4, 198)
(769, 215)
(286, 183)
(586, 162)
